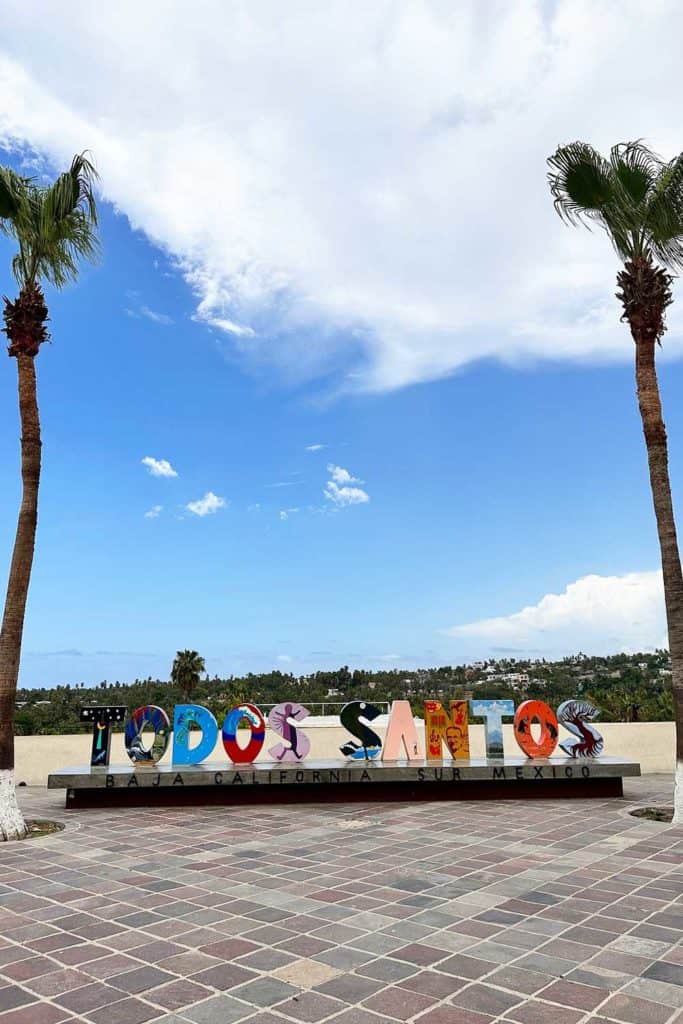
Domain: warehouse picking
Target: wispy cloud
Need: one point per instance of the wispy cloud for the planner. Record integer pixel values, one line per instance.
(207, 505)
(150, 314)
(158, 467)
(315, 447)
(339, 489)
(284, 483)
(154, 512)
(285, 513)
(222, 323)
(157, 318)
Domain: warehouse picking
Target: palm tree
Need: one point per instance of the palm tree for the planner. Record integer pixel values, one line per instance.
(637, 199)
(54, 227)
(187, 667)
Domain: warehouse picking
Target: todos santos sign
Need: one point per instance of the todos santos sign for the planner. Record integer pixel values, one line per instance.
(536, 729)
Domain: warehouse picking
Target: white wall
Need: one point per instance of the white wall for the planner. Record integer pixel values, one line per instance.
(650, 743)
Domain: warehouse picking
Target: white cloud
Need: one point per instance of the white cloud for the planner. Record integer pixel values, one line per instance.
(345, 495)
(595, 614)
(207, 505)
(158, 467)
(285, 513)
(339, 491)
(157, 318)
(154, 512)
(399, 209)
(342, 476)
(315, 447)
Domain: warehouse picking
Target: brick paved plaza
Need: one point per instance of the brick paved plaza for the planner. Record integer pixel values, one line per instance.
(461, 913)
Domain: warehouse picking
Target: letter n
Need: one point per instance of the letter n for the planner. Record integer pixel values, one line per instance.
(440, 728)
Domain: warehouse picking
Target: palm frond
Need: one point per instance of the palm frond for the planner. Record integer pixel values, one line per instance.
(581, 182)
(13, 196)
(55, 226)
(664, 215)
(634, 196)
(635, 169)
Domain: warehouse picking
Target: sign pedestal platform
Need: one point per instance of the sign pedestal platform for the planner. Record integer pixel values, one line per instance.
(341, 781)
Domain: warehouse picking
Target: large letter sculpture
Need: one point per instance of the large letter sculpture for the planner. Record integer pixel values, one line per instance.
(158, 719)
(185, 716)
(370, 743)
(401, 733)
(251, 714)
(576, 715)
(296, 744)
(440, 729)
(102, 719)
(492, 712)
(525, 714)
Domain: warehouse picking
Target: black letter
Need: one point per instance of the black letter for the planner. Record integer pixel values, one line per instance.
(350, 718)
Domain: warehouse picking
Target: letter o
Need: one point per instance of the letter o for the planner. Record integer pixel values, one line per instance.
(544, 714)
(150, 714)
(257, 725)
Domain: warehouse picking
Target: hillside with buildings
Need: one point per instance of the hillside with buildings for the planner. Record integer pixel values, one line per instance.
(626, 688)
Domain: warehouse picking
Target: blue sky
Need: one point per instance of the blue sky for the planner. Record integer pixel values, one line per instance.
(464, 364)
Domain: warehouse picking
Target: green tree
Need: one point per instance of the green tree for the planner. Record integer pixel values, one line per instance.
(54, 227)
(637, 199)
(186, 670)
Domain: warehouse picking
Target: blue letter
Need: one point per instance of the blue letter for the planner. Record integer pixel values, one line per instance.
(186, 715)
(492, 712)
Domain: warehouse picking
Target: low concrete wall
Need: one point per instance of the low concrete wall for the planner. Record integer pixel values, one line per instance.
(650, 743)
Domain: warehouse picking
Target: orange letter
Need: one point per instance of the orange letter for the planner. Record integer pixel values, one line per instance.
(524, 716)
(438, 730)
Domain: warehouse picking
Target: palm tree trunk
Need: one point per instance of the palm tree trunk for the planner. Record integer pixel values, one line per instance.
(658, 460)
(11, 820)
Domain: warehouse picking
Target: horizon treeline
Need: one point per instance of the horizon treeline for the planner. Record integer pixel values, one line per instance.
(626, 688)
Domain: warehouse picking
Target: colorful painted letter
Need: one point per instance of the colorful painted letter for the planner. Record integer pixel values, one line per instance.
(102, 719)
(296, 745)
(185, 716)
(541, 712)
(440, 729)
(401, 734)
(575, 715)
(370, 743)
(257, 725)
(492, 712)
(158, 719)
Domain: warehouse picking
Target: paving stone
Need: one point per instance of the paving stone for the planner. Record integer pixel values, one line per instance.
(634, 1010)
(453, 1015)
(218, 1010)
(484, 998)
(265, 991)
(536, 1012)
(305, 973)
(350, 988)
(662, 971)
(126, 1011)
(310, 1007)
(12, 996)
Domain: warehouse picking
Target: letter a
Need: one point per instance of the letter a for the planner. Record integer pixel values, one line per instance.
(401, 733)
